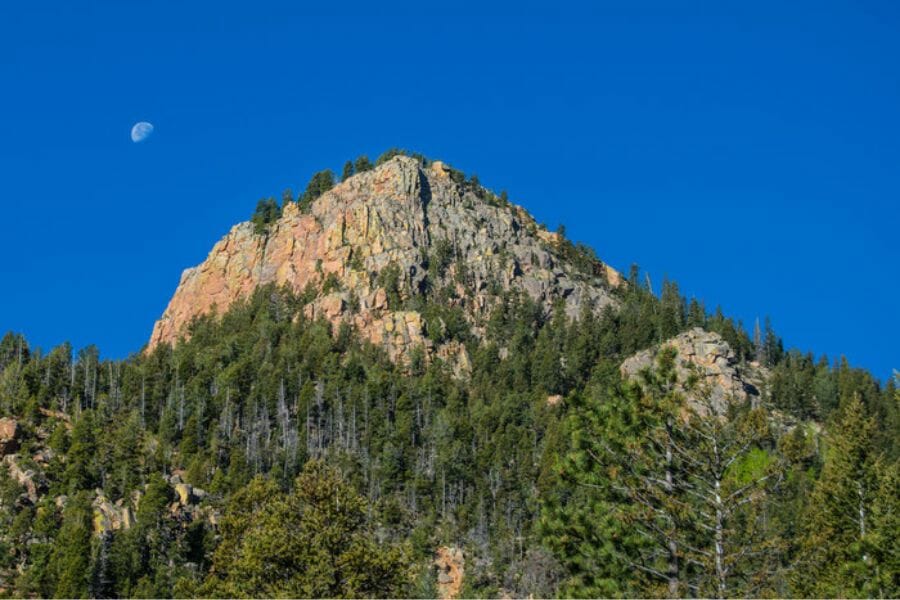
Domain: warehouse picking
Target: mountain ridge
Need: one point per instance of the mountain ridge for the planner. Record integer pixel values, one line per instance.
(365, 247)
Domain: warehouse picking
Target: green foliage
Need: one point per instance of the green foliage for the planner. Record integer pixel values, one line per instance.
(363, 164)
(392, 152)
(331, 284)
(442, 256)
(559, 498)
(445, 323)
(658, 496)
(311, 543)
(348, 171)
(581, 256)
(389, 279)
(844, 545)
(81, 468)
(320, 183)
(267, 212)
(72, 550)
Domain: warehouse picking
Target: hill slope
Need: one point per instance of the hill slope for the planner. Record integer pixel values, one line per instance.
(603, 442)
(385, 236)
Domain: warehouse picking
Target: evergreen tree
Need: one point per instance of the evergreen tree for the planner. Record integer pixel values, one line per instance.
(388, 155)
(320, 183)
(311, 543)
(81, 467)
(773, 349)
(72, 549)
(348, 171)
(842, 545)
(673, 496)
(671, 311)
(363, 164)
(267, 212)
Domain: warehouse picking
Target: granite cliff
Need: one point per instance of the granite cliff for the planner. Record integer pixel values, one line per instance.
(368, 245)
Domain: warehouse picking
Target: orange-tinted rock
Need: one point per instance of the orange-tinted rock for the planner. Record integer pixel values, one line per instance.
(554, 400)
(450, 569)
(392, 215)
(9, 436)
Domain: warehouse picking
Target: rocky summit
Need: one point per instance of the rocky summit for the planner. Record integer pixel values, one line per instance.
(383, 236)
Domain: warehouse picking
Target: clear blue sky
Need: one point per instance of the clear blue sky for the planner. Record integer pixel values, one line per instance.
(750, 151)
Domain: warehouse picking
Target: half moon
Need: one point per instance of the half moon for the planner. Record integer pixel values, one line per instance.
(141, 131)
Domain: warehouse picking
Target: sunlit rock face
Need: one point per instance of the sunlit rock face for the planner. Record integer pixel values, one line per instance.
(400, 217)
(709, 374)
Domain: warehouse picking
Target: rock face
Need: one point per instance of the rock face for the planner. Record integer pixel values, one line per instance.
(111, 516)
(9, 436)
(32, 481)
(711, 359)
(449, 562)
(397, 218)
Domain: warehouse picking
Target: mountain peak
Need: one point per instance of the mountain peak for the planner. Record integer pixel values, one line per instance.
(374, 248)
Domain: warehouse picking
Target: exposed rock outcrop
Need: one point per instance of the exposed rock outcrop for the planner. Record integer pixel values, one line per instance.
(450, 565)
(31, 480)
(111, 516)
(55, 414)
(710, 359)
(9, 436)
(397, 215)
(554, 400)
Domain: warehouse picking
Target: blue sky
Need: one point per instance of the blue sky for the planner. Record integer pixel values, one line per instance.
(750, 151)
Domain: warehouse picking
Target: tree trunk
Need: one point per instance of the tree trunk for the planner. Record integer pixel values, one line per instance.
(720, 541)
(672, 545)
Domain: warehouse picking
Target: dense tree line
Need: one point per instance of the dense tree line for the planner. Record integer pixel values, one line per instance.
(623, 488)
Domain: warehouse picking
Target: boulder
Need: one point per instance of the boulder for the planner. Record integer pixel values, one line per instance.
(9, 436)
(450, 564)
(184, 491)
(111, 516)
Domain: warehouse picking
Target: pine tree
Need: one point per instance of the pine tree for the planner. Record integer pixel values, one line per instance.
(734, 548)
(841, 540)
(72, 549)
(267, 212)
(348, 171)
(626, 454)
(773, 349)
(676, 494)
(882, 543)
(81, 468)
(313, 542)
(320, 183)
(363, 164)
(671, 311)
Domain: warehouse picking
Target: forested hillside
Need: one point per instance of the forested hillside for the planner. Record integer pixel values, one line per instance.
(273, 451)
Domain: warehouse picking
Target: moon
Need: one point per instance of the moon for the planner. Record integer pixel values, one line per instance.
(141, 131)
